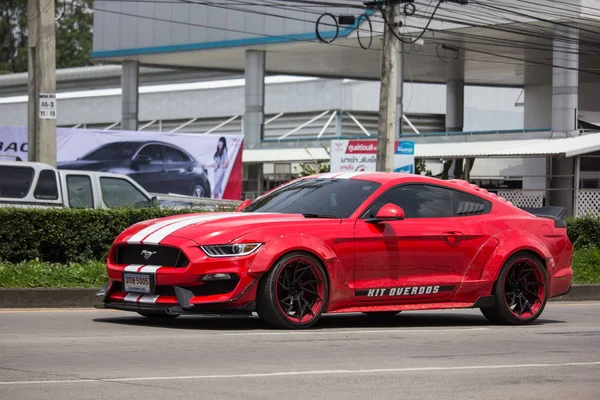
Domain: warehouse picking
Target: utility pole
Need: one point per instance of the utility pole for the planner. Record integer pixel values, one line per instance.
(387, 121)
(42, 81)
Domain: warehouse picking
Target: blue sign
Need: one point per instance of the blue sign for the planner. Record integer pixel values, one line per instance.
(404, 147)
(406, 169)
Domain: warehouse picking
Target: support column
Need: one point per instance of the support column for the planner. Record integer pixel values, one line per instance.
(42, 82)
(565, 82)
(400, 89)
(455, 107)
(565, 104)
(129, 95)
(254, 98)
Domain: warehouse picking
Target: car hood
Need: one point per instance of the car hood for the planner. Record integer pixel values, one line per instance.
(91, 165)
(212, 227)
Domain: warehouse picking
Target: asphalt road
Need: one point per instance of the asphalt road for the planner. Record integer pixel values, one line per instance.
(96, 354)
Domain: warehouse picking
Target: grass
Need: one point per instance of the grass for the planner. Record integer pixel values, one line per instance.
(35, 274)
(586, 265)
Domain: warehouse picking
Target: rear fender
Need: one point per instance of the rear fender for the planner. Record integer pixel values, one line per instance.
(512, 242)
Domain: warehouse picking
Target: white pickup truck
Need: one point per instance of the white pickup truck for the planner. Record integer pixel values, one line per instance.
(40, 185)
(32, 184)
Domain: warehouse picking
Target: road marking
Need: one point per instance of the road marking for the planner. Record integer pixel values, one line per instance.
(353, 332)
(306, 373)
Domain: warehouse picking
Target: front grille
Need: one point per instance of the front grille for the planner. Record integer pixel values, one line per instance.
(150, 255)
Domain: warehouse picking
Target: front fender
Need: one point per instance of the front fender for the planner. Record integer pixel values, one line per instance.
(340, 277)
(286, 243)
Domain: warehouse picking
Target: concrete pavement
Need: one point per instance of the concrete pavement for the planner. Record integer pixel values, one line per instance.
(96, 354)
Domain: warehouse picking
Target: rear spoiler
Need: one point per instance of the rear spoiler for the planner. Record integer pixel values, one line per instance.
(556, 213)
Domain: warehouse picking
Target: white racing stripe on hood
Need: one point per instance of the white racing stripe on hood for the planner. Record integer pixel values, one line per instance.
(163, 232)
(138, 237)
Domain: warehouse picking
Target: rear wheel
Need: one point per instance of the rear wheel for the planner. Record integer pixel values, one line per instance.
(294, 292)
(520, 292)
(157, 315)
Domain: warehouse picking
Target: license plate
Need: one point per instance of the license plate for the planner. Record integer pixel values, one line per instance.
(137, 283)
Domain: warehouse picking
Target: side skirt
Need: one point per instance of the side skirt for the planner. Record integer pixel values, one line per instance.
(482, 302)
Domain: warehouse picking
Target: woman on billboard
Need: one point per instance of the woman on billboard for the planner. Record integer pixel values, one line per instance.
(220, 166)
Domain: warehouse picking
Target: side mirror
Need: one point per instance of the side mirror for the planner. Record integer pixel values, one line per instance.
(142, 159)
(243, 205)
(389, 212)
(154, 202)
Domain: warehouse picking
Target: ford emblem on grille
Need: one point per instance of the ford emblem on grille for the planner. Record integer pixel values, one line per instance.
(147, 253)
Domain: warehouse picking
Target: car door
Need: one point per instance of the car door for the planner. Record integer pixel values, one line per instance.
(180, 172)
(149, 168)
(417, 258)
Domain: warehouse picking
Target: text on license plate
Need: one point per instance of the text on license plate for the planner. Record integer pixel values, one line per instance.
(137, 283)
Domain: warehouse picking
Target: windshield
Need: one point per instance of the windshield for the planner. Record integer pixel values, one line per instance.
(337, 198)
(113, 151)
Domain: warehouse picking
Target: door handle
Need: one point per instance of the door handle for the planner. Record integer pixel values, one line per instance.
(163, 171)
(452, 236)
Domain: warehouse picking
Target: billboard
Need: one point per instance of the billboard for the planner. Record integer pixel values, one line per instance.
(199, 165)
(361, 155)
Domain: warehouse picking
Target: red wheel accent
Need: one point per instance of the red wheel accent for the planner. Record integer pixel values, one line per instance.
(300, 290)
(524, 289)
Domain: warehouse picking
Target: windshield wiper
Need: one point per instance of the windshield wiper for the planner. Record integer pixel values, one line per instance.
(319, 216)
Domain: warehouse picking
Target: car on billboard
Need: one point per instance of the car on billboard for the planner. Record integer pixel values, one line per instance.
(371, 242)
(157, 166)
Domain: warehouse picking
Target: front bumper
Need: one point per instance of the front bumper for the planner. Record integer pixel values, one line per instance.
(182, 290)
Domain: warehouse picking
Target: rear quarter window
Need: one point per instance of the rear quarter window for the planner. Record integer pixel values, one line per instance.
(466, 204)
(15, 182)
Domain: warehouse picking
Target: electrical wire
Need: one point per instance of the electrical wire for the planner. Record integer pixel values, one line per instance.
(522, 62)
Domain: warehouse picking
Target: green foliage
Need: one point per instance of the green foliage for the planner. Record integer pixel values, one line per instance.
(74, 23)
(584, 231)
(586, 265)
(35, 274)
(308, 169)
(66, 235)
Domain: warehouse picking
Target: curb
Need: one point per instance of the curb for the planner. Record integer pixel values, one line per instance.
(86, 298)
(48, 298)
(581, 293)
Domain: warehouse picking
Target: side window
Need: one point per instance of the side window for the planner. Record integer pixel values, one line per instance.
(466, 204)
(121, 193)
(174, 155)
(16, 181)
(79, 189)
(418, 201)
(153, 152)
(46, 188)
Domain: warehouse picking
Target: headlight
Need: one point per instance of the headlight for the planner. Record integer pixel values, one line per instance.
(231, 250)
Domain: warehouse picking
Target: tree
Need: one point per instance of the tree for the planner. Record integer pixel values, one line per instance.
(74, 22)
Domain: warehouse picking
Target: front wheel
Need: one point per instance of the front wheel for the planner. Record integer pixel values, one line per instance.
(293, 294)
(520, 292)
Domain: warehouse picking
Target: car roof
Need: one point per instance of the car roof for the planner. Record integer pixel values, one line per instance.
(386, 178)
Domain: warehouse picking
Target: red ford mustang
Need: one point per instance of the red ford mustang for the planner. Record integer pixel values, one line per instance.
(376, 243)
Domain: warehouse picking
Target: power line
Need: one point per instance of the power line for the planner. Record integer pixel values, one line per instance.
(524, 63)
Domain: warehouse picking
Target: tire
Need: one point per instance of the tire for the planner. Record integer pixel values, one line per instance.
(307, 294)
(382, 314)
(157, 315)
(520, 293)
(198, 191)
